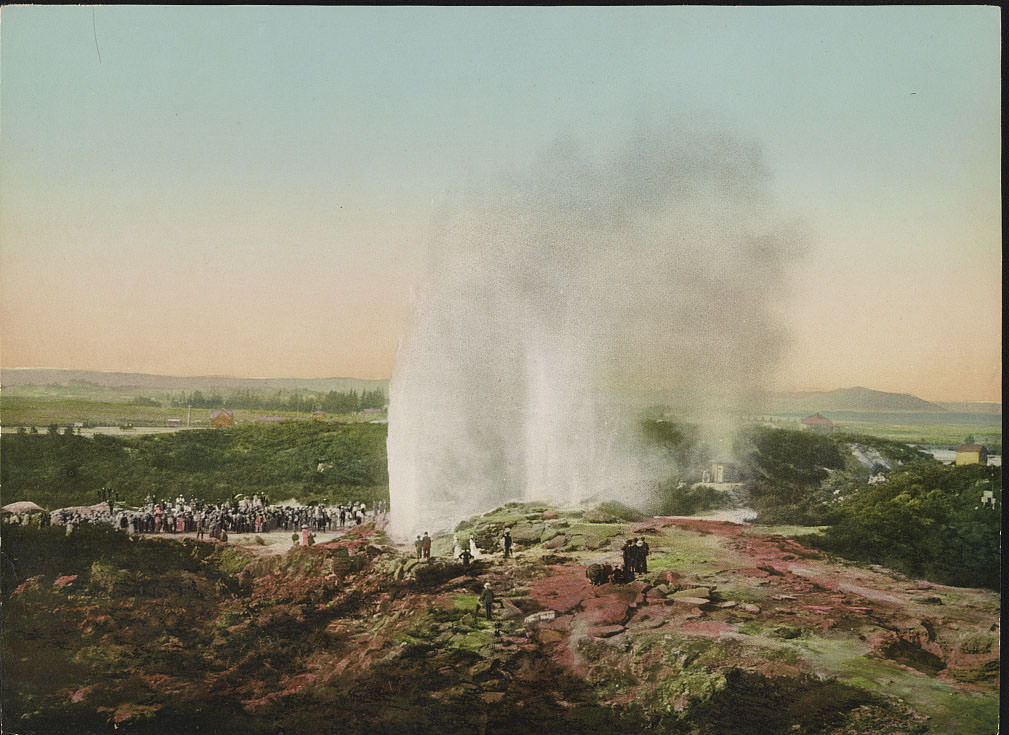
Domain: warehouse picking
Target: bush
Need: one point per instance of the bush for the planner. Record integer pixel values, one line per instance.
(925, 521)
(685, 500)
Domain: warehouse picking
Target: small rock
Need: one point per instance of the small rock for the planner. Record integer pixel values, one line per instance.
(492, 697)
(605, 631)
(538, 618)
(749, 607)
(548, 636)
(693, 592)
(668, 577)
(691, 600)
(726, 604)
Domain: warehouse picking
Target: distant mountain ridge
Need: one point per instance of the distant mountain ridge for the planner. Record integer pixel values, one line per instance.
(850, 399)
(842, 399)
(10, 377)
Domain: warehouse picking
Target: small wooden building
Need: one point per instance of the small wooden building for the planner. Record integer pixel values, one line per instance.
(220, 419)
(971, 454)
(819, 424)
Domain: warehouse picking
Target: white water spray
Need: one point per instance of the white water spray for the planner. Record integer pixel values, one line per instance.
(548, 299)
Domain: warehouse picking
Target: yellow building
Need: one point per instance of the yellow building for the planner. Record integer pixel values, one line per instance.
(971, 454)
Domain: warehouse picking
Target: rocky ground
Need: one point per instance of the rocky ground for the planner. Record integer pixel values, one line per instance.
(732, 630)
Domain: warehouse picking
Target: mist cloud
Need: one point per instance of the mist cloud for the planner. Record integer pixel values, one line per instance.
(550, 292)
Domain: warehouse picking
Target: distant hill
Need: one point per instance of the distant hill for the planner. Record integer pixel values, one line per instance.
(10, 377)
(848, 399)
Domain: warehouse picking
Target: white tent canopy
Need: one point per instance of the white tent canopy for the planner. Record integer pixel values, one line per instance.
(22, 506)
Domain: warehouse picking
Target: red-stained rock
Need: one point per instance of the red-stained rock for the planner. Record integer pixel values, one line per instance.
(556, 542)
(32, 583)
(562, 592)
(631, 594)
(63, 581)
(561, 623)
(549, 515)
(605, 611)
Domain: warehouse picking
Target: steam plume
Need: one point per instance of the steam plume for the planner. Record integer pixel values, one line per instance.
(552, 294)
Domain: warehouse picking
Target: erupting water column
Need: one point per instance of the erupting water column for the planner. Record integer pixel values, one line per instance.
(653, 269)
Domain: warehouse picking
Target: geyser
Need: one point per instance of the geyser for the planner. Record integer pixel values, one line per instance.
(551, 296)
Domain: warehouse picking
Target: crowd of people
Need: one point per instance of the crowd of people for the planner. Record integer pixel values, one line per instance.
(217, 520)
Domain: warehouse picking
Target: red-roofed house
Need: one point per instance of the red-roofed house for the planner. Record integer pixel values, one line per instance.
(971, 454)
(222, 418)
(817, 423)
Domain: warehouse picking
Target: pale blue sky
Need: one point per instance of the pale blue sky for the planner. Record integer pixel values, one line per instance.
(178, 179)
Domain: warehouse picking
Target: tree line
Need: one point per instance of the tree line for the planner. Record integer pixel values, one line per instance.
(297, 401)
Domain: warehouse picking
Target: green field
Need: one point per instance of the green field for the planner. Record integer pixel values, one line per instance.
(946, 435)
(18, 411)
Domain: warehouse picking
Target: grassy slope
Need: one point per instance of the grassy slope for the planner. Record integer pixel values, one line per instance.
(159, 636)
(277, 460)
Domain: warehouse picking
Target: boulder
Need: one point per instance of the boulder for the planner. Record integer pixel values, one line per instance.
(510, 609)
(562, 592)
(556, 542)
(527, 533)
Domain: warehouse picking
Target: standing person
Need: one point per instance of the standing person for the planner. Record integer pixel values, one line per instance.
(425, 545)
(642, 555)
(419, 543)
(628, 558)
(507, 541)
(305, 533)
(486, 599)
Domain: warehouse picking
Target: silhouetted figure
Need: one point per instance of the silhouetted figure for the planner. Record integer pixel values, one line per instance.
(486, 599)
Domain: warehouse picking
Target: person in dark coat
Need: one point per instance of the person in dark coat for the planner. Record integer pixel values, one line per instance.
(507, 540)
(486, 599)
(642, 555)
(425, 545)
(628, 552)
